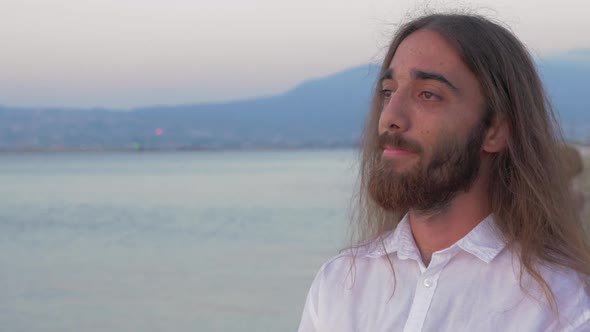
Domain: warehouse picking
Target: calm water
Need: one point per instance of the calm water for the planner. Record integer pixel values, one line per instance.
(208, 241)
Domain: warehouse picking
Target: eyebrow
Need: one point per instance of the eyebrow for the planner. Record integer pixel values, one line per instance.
(421, 75)
(387, 75)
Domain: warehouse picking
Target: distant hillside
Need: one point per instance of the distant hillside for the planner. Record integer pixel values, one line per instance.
(326, 111)
(566, 80)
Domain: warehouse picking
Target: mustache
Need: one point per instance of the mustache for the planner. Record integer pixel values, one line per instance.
(397, 141)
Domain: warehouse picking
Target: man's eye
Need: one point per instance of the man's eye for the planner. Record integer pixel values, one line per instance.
(386, 94)
(427, 95)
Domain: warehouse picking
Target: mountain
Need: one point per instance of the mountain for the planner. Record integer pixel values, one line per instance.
(566, 81)
(323, 111)
(327, 111)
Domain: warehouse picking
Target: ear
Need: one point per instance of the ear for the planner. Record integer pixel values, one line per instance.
(496, 136)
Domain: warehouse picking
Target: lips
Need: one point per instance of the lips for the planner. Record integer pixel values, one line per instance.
(394, 145)
(393, 151)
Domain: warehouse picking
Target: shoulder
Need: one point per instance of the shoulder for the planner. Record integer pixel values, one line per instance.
(350, 259)
(339, 288)
(572, 296)
(329, 275)
(337, 266)
(565, 283)
(344, 270)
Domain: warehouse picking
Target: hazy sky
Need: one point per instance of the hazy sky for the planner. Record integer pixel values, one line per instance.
(127, 53)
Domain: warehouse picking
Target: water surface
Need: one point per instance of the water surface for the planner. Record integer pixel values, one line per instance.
(205, 241)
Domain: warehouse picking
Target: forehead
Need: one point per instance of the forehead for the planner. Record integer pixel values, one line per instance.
(428, 50)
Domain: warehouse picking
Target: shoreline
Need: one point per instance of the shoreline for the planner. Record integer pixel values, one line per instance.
(582, 148)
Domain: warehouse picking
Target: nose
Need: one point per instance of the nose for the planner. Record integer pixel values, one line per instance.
(394, 113)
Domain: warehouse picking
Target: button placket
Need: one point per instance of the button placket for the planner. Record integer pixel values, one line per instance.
(425, 289)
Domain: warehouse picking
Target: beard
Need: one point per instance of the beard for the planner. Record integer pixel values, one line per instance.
(431, 185)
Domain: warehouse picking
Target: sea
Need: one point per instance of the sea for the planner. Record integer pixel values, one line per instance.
(168, 241)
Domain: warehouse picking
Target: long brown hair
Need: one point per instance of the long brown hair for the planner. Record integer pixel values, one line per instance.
(528, 191)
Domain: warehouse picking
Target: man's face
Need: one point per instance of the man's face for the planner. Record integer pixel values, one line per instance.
(430, 127)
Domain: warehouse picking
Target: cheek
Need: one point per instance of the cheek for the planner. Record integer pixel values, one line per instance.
(435, 140)
(429, 136)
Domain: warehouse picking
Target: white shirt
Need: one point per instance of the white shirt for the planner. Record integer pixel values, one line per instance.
(471, 286)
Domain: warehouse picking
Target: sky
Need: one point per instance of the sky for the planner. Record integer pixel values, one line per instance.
(123, 54)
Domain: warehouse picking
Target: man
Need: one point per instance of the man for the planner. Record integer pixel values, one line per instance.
(464, 219)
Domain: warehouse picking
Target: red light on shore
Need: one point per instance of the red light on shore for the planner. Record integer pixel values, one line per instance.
(159, 131)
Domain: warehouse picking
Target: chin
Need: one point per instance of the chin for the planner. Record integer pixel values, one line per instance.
(400, 167)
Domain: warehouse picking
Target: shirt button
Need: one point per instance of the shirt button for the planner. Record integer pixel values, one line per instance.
(427, 282)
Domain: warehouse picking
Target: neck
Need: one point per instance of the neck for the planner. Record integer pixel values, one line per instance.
(434, 231)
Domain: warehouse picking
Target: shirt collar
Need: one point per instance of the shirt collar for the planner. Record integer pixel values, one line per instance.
(485, 241)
